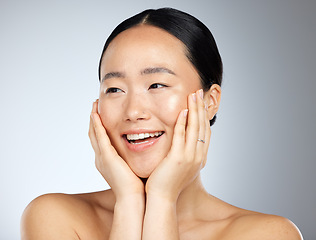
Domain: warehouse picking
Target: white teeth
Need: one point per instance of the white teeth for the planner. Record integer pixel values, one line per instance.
(142, 135)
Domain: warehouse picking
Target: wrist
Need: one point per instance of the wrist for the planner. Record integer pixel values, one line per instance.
(155, 191)
(163, 198)
(133, 206)
(130, 199)
(128, 217)
(126, 193)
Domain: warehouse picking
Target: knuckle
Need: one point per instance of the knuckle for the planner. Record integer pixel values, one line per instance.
(180, 132)
(98, 164)
(190, 156)
(194, 127)
(90, 133)
(98, 135)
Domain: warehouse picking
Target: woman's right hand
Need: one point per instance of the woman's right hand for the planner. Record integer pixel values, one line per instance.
(112, 167)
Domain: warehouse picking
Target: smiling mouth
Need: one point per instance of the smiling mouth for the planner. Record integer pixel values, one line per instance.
(142, 137)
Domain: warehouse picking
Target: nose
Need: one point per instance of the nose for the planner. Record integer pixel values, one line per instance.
(136, 108)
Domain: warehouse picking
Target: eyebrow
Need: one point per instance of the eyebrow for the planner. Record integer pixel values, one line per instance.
(157, 70)
(150, 70)
(113, 75)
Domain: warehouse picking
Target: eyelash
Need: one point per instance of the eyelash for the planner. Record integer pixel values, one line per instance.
(112, 90)
(116, 90)
(156, 84)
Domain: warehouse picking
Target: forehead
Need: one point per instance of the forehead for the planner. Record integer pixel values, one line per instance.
(145, 42)
(144, 33)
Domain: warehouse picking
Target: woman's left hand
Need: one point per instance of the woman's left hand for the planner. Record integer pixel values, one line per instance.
(187, 155)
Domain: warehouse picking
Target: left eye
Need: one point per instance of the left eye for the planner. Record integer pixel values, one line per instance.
(113, 90)
(157, 85)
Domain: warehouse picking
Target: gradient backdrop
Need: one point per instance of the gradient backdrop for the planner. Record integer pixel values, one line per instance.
(263, 153)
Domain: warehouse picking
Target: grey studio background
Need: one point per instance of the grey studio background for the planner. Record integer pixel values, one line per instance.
(262, 153)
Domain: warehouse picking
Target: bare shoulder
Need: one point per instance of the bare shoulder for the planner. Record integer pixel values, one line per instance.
(64, 216)
(253, 225)
(227, 222)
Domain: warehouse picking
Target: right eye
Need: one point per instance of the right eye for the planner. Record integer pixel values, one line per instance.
(157, 85)
(112, 90)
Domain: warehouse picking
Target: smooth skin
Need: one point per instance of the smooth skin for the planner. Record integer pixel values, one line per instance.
(149, 85)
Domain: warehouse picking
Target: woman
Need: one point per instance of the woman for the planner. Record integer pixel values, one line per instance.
(160, 75)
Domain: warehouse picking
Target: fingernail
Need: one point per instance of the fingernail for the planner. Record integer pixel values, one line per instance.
(185, 112)
(194, 97)
(201, 93)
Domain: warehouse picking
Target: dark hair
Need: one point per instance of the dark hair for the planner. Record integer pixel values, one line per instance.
(201, 48)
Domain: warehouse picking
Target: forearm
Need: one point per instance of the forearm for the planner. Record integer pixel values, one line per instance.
(160, 220)
(128, 219)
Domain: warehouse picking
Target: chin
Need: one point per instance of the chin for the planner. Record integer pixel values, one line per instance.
(143, 169)
(143, 173)
(144, 165)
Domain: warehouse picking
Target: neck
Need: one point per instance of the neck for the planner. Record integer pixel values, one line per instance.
(191, 199)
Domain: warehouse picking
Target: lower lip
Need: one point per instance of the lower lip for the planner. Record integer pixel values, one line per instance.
(142, 146)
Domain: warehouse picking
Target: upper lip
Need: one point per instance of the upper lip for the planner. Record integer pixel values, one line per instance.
(138, 131)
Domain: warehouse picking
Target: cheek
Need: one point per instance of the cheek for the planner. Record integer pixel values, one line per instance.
(107, 114)
(110, 118)
(170, 107)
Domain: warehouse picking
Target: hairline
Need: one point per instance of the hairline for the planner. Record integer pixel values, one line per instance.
(144, 22)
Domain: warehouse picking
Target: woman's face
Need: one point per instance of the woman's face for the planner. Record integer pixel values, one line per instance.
(145, 80)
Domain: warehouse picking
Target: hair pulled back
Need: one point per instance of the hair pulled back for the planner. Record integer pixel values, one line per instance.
(201, 48)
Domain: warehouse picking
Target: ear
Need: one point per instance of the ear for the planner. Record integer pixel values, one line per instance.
(212, 100)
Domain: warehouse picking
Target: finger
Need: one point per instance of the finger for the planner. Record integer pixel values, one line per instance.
(102, 138)
(178, 140)
(193, 125)
(200, 146)
(207, 143)
(207, 131)
(93, 138)
(95, 106)
(207, 137)
(91, 133)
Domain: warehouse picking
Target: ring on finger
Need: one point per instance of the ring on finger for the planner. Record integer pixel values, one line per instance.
(201, 140)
